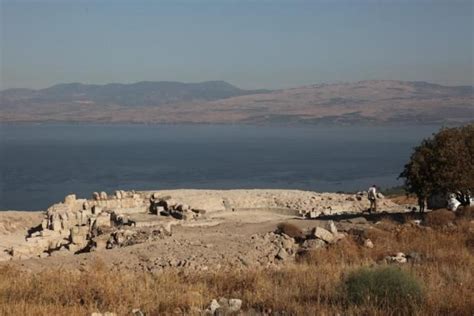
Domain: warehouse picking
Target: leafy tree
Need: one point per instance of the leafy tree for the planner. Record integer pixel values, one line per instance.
(443, 164)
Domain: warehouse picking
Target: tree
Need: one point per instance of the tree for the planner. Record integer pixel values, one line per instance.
(443, 164)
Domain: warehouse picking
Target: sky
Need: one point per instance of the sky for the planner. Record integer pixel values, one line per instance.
(252, 44)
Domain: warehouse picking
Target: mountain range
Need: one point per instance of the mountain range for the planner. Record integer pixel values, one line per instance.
(363, 102)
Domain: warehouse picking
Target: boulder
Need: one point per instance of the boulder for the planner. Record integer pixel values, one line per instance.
(400, 257)
(323, 234)
(282, 254)
(235, 305)
(103, 195)
(213, 306)
(368, 243)
(95, 196)
(311, 244)
(287, 243)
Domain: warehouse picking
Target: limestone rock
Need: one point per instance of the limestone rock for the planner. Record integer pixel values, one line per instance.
(323, 234)
(368, 243)
(332, 227)
(400, 257)
(103, 220)
(213, 306)
(95, 196)
(235, 305)
(282, 254)
(137, 312)
(70, 199)
(311, 244)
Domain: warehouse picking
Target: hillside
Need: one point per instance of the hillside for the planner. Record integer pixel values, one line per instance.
(366, 102)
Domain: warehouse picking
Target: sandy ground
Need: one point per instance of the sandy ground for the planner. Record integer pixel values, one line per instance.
(14, 226)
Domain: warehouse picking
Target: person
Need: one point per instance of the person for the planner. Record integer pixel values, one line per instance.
(421, 203)
(372, 196)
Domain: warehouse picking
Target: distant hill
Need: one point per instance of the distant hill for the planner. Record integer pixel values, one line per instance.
(363, 102)
(145, 93)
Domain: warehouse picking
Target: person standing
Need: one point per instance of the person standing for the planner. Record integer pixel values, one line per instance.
(421, 203)
(372, 196)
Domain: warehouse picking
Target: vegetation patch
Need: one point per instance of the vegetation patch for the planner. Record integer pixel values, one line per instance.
(386, 287)
(439, 218)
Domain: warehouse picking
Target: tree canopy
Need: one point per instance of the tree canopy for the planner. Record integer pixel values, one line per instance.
(443, 163)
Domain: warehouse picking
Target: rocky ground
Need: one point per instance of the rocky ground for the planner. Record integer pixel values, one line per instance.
(207, 229)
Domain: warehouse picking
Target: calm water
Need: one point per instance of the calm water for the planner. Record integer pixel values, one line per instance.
(40, 164)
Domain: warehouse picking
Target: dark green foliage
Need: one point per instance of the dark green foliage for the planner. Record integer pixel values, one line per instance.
(387, 287)
(443, 164)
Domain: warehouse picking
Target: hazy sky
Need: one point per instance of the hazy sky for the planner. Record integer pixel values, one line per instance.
(252, 44)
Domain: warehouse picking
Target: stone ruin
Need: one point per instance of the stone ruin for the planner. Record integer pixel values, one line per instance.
(131, 217)
(103, 222)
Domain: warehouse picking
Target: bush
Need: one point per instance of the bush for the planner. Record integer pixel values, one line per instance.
(291, 230)
(442, 164)
(439, 218)
(384, 287)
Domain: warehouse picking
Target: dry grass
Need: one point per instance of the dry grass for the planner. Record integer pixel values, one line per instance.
(439, 218)
(466, 212)
(312, 286)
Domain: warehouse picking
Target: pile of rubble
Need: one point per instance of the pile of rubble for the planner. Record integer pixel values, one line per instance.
(130, 217)
(103, 222)
(279, 246)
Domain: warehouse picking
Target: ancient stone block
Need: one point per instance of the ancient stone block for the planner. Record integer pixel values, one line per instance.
(102, 220)
(96, 210)
(70, 199)
(323, 234)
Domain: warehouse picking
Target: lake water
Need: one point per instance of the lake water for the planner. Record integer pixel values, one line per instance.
(40, 164)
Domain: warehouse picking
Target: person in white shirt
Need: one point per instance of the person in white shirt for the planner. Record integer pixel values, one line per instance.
(372, 196)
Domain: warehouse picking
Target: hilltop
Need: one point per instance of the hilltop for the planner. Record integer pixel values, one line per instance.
(273, 252)
(363, 102)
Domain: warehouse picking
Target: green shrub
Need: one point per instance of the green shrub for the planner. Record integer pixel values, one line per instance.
(384, 287)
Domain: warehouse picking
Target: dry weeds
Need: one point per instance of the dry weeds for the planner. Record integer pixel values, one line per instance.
(312, 286)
